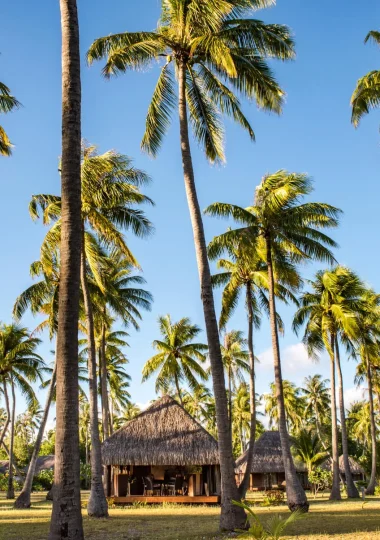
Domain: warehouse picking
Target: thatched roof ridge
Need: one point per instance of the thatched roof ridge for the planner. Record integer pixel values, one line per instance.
(163, 434)
(355, 467)
(267, 456)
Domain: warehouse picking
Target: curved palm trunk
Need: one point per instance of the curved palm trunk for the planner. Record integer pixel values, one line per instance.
(103, 385)
(335, 490)
(97, 503)
(295, 493)
(10, 490)
(23, 500)
(372, 482)
(66, 520)
(252, 396)
(352, 492)
(232, 517)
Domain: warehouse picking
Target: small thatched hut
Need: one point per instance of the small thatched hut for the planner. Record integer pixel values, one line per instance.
(268, 470)
(356, 469)
(167, 445)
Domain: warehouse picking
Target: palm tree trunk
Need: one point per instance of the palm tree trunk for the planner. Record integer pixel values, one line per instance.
(23, 500)
(178, 389)
(252, 396)
(97, 503)
(230, 397)
(335, 490)
(295, 493)
(10, 490)
(66, 516)
(8, 419)
(103, 380)
(232, 517)
(352, 492)
(372, 482)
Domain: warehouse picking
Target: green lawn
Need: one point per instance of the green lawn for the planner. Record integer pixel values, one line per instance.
(344, 520)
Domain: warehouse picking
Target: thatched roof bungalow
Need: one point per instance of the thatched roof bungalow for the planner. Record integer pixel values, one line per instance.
(356, 469)
(163, 442)
(268, 469)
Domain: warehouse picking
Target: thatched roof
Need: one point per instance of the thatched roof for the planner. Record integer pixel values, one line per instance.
(354, 465)
(44, 463)
(267, 456)
(163, 434)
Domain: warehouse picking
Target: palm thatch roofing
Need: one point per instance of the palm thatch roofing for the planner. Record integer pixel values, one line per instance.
(163, 434)
(267, 456)
(44, 463)
(355, 467)
(4, 466)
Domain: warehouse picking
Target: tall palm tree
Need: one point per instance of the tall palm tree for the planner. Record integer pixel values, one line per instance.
(292, 231)
(366, 95)
(7, 104)
(179, 358)
(67, 515)
(245, 272)
(123, 297)
(242, 417)
(368, 350)
(20, 365)
(330, 312)
(40, 298)
(294, 405)
(214, 49)
(109, 191)
(235, 361)
(317, 402)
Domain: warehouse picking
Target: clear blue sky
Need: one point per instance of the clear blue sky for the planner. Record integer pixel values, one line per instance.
(313, 135)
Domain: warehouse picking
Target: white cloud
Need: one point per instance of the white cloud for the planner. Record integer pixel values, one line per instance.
(294, 359)
(353, 394)
(143, 406)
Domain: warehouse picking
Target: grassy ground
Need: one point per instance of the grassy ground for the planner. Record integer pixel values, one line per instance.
(345, 520)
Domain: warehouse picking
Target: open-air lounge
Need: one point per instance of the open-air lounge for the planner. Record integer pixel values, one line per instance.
(163, 454)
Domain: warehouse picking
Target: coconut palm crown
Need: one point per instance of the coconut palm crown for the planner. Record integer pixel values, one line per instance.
(224, 54)
(366, 95)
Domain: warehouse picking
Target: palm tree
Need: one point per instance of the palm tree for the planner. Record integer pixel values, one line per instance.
(130, 412)
(196, 402)
(179, 359)
(246, 272)
(291, 231)
(330, 312)
(40, 298)
(214, 50)
(368, 350)
(19, 366)
(294, 405)
(7, 104)
(84, 424)
(109, 189)
(317, 401)
(235, 361)
(66, 514)
(307, 446)
(122, 296)
(366, 95)
(359, 420)
(242, 417)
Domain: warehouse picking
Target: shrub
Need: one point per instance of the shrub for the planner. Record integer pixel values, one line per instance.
(269, 529)
(4, 483)
(274, 497)
(44, 480)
